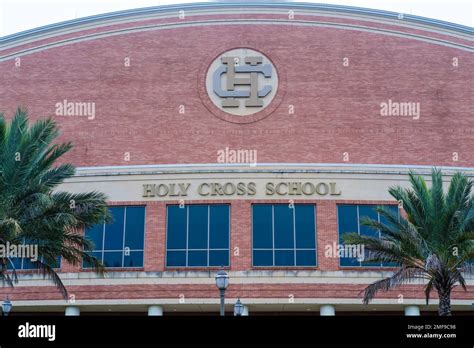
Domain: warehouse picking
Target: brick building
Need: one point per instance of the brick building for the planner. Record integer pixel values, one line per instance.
(248, 137)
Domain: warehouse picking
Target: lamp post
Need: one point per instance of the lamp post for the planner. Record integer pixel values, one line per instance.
(6, 307)
(222, 282)
(238, 308)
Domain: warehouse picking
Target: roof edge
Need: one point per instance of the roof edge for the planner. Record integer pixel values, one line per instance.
(435, 23)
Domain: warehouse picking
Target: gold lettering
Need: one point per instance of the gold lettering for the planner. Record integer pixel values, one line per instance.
(241, 189)
(201, 193)
(333, 189)
(232, 189)
(294, 188)
(270, 188)
(172, 191)
(162, 190)
(216, 189)
(278, 191)
(251, 188)
(183, 188)
(309, 191)
(148, 190)
(324, 190)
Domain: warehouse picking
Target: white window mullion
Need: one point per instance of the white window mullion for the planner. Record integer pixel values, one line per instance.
(103, 241)
(273, 234)
(358, 228)
(315, 212)
(380, 233)
(187, 234)
(208, 231)
(229, 235)
(123, 238)
(294, 234)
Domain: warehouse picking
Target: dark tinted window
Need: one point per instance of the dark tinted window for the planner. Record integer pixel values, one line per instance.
(119, 243)
(198, 235)
(284, 235)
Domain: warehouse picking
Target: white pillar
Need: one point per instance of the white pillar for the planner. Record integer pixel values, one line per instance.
(72, 311)
(412, 311)
(327, 310)
(155, 311)
(245, 313)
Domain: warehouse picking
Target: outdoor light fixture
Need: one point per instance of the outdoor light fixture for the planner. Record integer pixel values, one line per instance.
(238, 308)
(222, 282)
(6, 307)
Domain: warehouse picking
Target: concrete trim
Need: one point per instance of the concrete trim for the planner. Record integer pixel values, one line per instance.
(207, 278)
(231, 301)
(246, 7)
(349, 168)
(95, 36)
(356, 183)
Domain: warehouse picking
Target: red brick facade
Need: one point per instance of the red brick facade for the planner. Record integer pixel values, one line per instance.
(336, 107)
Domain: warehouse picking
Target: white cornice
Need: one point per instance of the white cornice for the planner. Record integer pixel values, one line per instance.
(340, 168)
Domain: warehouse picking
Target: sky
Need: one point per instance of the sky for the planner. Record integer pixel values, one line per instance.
(20, 15)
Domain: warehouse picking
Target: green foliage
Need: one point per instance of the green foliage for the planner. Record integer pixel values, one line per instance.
(32, 210)
(434, 241)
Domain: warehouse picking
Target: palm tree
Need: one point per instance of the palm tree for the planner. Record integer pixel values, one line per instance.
(31, 210)
(434, 241)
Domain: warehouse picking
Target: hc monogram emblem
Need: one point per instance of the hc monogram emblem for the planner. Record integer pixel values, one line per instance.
(252, 68)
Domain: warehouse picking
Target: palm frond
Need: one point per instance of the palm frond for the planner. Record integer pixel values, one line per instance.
(402, 276)
(32, 210)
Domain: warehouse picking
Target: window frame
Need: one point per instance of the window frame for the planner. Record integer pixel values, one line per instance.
(103, 251)
(34, 268)
(294, 249)
(208, 249)
(362, 266)
(22, 262)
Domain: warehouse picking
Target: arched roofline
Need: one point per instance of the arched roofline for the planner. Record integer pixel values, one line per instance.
(209, 6)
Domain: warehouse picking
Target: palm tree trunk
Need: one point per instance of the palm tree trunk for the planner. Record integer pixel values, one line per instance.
(444, 302)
